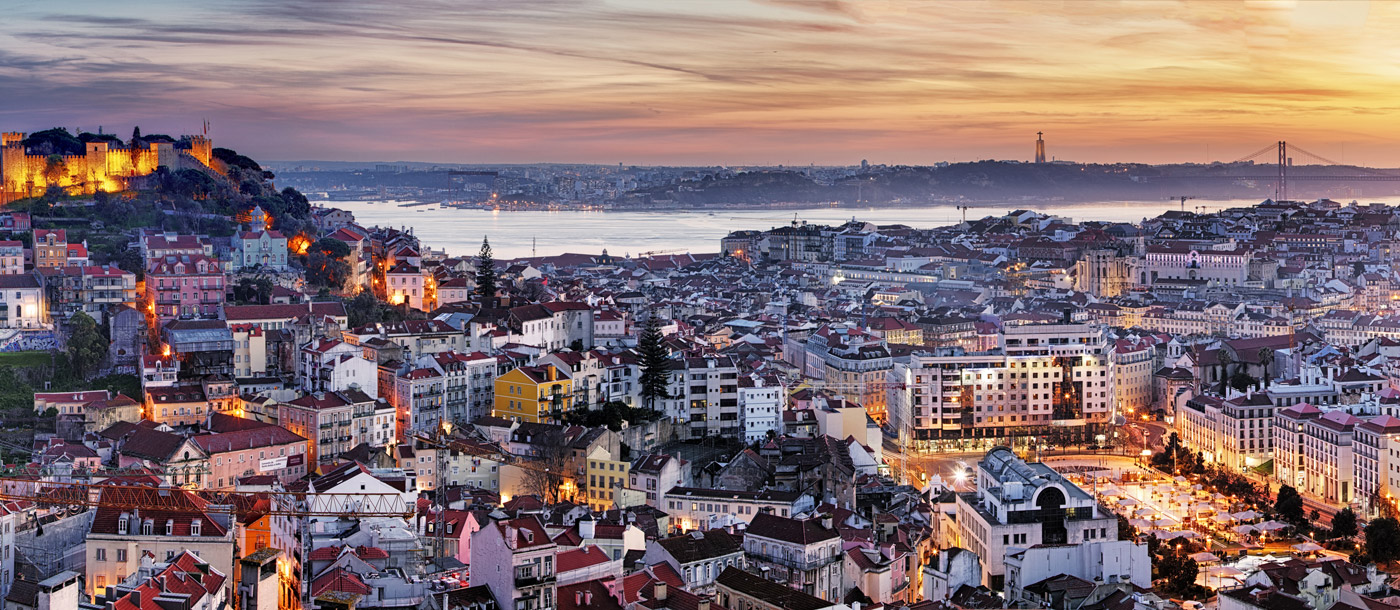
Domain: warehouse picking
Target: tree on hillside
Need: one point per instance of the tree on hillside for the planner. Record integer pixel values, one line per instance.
(86, 345)
(135, 135)
(486, 275)
(323, 270)
(54, 168)
(1266, 359)
(1383, 540)
(332, 248)
(1344, 523)
(1289, 505)
(656, 365)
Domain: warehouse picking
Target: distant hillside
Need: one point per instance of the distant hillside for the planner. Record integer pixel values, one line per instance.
(1001, 181)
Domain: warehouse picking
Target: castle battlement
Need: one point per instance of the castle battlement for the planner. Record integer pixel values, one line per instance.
(103, 166)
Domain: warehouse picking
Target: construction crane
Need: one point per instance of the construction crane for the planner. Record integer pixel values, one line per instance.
(143, 496)
(1182, 198)
(656, 252)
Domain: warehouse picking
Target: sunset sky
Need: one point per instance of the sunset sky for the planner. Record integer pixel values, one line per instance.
(718, 81)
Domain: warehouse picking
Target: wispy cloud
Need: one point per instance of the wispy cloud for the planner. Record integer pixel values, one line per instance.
(722, 81)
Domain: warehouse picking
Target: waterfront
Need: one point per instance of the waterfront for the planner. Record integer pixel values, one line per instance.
(514, 233)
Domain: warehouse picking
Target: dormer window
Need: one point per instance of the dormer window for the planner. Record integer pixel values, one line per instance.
(169, 527)
(124, 524)
(148, 527)
(196, 527)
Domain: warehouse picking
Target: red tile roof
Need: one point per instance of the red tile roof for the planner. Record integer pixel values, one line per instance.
(183, 577)
(578, 559)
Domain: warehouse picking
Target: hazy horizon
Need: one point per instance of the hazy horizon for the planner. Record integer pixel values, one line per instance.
(734, 82)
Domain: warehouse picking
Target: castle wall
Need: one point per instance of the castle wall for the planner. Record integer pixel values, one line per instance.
(101, 167)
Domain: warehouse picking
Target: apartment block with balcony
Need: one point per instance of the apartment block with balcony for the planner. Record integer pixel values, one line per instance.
(805, 554)
(11, 257)
(334, 422)
(521, 571)
(468, 383)
(704, 397)
(536, 394)
(90, 289)
(184, 286)
(1054, 380)
(418, 401)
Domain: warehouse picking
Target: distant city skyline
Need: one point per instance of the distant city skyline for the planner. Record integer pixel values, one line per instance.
(729, 82)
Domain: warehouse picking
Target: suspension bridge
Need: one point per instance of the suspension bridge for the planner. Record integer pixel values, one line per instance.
(1285, 172)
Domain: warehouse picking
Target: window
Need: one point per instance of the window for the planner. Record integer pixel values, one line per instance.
(196, 526)
(121, 554)
(101, 554)
(148, 527)
(169, 527)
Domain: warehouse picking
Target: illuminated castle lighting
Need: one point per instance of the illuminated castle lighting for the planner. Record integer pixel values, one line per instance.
(103, 166)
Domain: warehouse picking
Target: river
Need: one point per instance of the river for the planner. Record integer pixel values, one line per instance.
(517, 234)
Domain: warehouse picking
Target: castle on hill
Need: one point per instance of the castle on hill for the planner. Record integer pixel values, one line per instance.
(104, 166)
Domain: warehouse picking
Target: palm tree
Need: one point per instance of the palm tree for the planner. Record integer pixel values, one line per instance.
(1225, 360)
(1266, 359)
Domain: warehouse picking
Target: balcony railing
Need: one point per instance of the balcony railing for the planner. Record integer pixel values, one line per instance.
(801, 564)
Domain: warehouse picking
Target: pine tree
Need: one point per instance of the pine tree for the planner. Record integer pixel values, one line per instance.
(136, 135)
(656, 369)
(486, 275)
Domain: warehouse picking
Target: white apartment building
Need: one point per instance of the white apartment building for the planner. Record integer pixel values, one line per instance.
(1376, 456)
(703, 397)
(330, 365)
(418, 400)
(469, 383)
(335, 422)
(1289, 441)
(1235, 433)
(697, 508)
(522, 567)
(760, 406)
(1043, 379)
(1133, 361)
(1019, 506)
(249, 350)
(1327, 456)
(804, 554)
(1219, 264)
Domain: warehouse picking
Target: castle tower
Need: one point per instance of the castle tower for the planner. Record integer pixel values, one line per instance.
(11, 166)
(1039, 147)
(202, 148)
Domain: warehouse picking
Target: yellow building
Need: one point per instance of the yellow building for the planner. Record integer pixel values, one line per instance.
(540, 394)
(606, 478)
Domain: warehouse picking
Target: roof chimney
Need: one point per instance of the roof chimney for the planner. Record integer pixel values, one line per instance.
(703, 604)
(659, 591)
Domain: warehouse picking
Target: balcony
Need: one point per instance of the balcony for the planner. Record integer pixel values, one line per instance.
(801, 564)
(530, 578)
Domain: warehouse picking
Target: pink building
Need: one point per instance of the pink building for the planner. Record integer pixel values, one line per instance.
(185, 286)
(253, 448)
